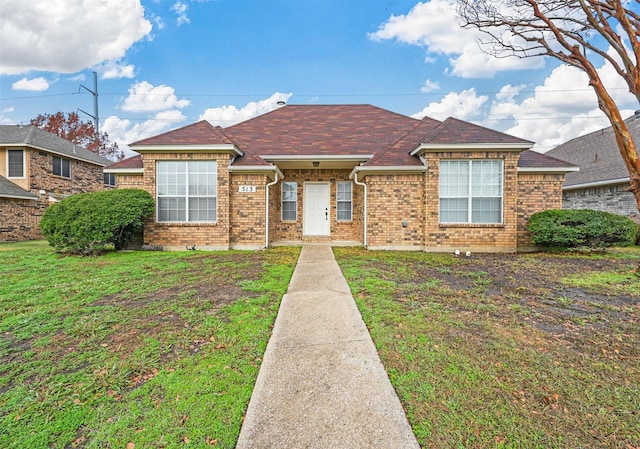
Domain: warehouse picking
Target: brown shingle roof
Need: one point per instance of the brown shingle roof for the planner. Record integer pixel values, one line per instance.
(453, 131)
(533, 159)
(132, 162)
(320, 130)
(199, 133)
(597, 155)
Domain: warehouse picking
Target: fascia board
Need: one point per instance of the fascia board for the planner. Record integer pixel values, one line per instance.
(256, 169)
(429, 148)
(219, 148)
(124, 171)
(587, 185)
(391, 169)
(548, 169)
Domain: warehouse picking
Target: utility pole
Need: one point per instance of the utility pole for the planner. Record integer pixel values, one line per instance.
(94, 92)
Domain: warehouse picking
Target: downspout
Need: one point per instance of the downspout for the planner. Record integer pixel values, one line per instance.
(355, 179)
(266, 229)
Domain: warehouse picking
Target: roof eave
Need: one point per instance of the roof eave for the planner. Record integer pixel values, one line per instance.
(391, 169)
(586, 185)
(58, 153)
(124, 171)
(431, 148)
(192, 148)
(548, 169)
(268, 169)
(19, 197)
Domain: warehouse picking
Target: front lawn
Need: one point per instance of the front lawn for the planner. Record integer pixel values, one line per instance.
(507, 351)
(132, 349)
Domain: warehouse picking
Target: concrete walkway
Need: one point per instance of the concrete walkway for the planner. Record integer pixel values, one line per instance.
(321, 383)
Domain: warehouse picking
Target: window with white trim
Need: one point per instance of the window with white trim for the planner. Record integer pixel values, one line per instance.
(187, 191)
(61, 167)
(344, 200)
(15, 164)
(471, 191)
(289, 201)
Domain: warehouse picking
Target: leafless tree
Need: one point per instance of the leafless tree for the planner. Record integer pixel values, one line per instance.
(578, 33)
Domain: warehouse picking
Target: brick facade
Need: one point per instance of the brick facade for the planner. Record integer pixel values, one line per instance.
(403, 209)
(536, 192)
(20, 219)
(616, 199)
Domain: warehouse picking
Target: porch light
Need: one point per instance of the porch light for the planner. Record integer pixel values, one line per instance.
(316, 163)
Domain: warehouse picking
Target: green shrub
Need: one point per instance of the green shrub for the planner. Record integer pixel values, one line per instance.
(88, 223)
(567, 229)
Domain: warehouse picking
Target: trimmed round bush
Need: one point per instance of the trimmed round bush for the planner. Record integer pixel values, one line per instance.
(570, 229)
(88, 223)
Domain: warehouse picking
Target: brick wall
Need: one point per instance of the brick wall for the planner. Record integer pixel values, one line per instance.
(20, 219)
(392, 201)
(475, 237)
(536, 192)
(616, 199)
(247, 211)
(180, 235)
(293, 230)
(130, 181)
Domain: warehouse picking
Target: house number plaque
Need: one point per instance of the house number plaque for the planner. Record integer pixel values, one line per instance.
(247, 189)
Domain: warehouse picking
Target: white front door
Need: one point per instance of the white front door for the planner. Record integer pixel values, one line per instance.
(316, 208)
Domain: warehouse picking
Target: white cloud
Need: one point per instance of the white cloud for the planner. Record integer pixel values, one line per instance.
(145, 97)
(181, 11)
(434, 25)
(67, 35)
(465, 105)
(429, 86)
(125, 131)
(116, 70)
(35, 84)
(230, 115)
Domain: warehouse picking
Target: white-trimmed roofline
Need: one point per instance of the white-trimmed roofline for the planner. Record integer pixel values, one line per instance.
(379, 170)
(548, 169)
(124, 171)
(256, 169)
(224, 147)
(432, 147)
(19, 197)
(586, 185)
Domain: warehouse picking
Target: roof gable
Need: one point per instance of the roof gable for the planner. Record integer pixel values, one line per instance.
(460, 133)
(199, 133)
(32, 136)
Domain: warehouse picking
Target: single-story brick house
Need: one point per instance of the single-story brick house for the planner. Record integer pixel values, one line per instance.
(36, 169)
(603, 180)
(342, 174)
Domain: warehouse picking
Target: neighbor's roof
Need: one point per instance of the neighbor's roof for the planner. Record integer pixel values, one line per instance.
(34, 137)
(384, 137)
(133, 162)
(11, 190)
(597, 155)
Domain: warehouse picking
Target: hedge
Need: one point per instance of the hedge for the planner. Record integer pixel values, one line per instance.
(89, 223)
(570, 229)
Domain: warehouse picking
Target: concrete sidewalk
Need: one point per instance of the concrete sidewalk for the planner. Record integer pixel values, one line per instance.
(321, 383)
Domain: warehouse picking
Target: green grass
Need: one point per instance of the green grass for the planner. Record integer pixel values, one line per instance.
(151, 348)
(507, 351)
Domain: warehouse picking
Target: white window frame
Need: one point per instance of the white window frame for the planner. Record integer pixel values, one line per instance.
(344, 201)
(62, 163)
(24, 163)
(294, 201)
(470, 195)
(187, 196)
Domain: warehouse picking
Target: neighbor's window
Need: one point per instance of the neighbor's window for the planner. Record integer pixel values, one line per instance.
(15, 164)
(289, 201)
(61, 167)
(110, 179)
(187, 191)
(344, 200)
(471, 191)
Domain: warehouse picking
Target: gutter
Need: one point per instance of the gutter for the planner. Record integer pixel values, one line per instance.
(266, 221)
(354, 174)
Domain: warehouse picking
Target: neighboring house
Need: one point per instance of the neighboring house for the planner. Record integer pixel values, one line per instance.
(37, 168)
(603, 180)
(342, 174)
